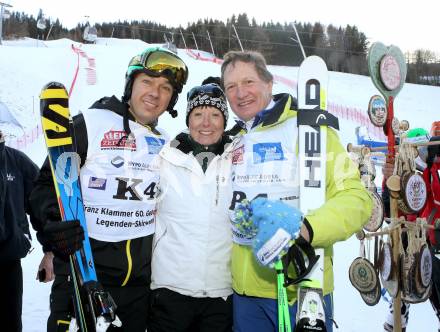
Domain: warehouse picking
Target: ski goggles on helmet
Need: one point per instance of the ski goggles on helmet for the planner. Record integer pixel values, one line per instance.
(161, 63)
(212, 90)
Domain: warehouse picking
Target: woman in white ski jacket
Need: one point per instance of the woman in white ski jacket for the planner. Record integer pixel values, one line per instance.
(191, 279)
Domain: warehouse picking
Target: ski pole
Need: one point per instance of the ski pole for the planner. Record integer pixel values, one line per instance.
(283, 305)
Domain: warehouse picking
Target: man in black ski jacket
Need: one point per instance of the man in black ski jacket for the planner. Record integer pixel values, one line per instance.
(117, 142)
(17, 173)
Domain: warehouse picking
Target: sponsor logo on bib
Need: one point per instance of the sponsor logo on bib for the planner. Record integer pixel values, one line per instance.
(118, 161)
(237, 155)
(264, 152)
(97, 183)
(154, 144)
(117, 140)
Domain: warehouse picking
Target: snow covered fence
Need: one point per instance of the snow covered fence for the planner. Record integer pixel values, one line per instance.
(32, 135)
(24, 140)
(357, 115)
(199, 56)
(90, 69)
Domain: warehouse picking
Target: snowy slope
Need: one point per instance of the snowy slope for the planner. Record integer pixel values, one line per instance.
(26, 65)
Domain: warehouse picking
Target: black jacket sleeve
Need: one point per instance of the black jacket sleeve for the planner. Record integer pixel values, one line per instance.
(29, 172)
(43, 201)
(17, 173)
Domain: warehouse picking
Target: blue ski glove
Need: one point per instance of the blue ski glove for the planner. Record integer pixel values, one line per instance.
(279, 225)
(243, 220)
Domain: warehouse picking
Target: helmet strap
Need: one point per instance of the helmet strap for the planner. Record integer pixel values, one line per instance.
(172, 103)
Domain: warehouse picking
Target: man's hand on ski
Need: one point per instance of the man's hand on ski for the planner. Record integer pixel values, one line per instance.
(65, 237)
(278, 225)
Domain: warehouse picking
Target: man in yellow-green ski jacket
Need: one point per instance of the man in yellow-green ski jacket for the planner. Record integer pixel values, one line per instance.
(265, 164)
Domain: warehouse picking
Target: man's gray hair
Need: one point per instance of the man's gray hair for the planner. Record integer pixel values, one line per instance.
(254, 57)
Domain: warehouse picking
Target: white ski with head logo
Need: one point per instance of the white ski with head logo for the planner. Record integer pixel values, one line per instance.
(312, 143)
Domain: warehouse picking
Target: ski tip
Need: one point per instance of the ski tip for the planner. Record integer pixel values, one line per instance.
(314, 61)
(54, 85)
(54, 90)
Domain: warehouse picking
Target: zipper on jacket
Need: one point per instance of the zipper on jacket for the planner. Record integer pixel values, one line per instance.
(217, 191)
(220, 163)
(129, 261)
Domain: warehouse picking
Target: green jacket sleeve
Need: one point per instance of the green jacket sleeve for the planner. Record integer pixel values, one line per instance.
(348, 204)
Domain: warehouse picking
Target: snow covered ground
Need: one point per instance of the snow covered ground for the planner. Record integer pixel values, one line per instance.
(26, 65)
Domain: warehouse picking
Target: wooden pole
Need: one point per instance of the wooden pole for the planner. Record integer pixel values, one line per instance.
(394, 211)
(395, 240)
(354, 148)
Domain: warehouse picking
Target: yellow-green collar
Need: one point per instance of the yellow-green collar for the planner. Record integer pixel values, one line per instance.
(284, 109)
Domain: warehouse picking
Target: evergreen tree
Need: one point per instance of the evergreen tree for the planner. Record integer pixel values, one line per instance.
(343, 48)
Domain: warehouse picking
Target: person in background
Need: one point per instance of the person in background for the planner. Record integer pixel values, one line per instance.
(431, 212)
(428, 163)
(264, 165)
(118, 143)
(212, 79)
(17, 173)
(191, 278)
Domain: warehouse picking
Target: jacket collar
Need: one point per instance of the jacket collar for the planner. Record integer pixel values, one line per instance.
(285, 108)
(180, 153)
(112, 104)
(186, 144)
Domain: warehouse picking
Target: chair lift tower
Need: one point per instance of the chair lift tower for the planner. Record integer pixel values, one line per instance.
(41, 25)
(90, 33)
(3, 13)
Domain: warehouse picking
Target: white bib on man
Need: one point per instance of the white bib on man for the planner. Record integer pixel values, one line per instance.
(264, 164)
(119, 178)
